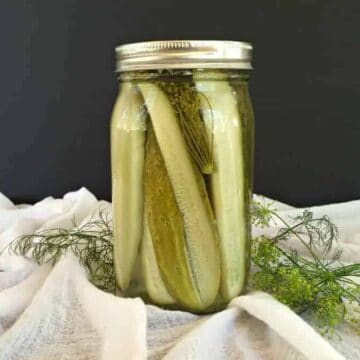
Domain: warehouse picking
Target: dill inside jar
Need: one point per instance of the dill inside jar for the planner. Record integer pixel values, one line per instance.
(182, 137)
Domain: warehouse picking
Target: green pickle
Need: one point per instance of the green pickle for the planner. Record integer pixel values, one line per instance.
(154, 283)
(127, 155)
(181, 203)
(227, 183)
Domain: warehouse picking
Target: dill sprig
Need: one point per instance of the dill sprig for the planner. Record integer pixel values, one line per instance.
(187, 103)
(91, 243)
(317, 282)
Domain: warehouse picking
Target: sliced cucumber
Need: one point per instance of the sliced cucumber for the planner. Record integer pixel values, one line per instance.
(167, 228)
(154, 284)
(195, 252)
(127, 148)
(227, 183)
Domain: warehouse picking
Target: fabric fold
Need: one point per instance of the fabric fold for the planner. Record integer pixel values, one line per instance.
(294, 330)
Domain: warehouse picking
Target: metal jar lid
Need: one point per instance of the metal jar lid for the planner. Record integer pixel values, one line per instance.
(184, 54)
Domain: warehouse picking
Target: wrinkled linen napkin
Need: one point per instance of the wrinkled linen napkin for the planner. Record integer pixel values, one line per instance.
(51, 313)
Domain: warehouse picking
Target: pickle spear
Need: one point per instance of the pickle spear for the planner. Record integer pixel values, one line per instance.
(154, 284)
(127, 147)
(166, 228)
(227, 183)
(186, 246)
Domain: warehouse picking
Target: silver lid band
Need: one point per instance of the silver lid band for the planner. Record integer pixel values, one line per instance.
(185, 54)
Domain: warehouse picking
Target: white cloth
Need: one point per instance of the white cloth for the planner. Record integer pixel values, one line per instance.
(55, 313)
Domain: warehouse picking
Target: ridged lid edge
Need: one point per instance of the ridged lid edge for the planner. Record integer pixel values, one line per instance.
(179, 54)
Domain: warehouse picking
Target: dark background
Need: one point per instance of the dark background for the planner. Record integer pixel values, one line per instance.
(57, 87)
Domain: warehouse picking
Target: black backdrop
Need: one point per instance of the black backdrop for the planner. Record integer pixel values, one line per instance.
(57, 87)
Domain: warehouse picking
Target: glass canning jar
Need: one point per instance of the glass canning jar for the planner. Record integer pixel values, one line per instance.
(182, 140)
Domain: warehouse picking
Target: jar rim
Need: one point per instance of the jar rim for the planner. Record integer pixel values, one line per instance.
(184, 54)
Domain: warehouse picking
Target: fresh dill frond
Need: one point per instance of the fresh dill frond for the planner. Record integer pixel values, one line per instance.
(91, 243)
(320, 232)
(324, 287)
(262, 212)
